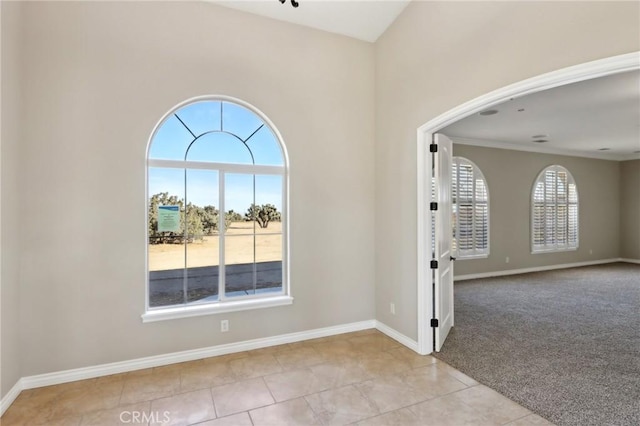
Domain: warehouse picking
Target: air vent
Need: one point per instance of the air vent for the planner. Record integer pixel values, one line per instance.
(489, 112)
(541, 141)
(604, 149)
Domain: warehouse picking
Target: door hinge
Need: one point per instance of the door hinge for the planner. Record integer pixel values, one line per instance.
(434, 322)
(433, 147)
(433, 206)
(434, 264)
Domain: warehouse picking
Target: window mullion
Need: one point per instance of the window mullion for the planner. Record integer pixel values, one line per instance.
(221, 240)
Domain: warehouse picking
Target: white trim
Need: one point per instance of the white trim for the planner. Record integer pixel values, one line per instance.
(424, 276)
(190, 355)
(535, 269)
(197, 310)
(637, 261)
(542, 149)
(574, 74)
(11, 396)
(397, 336)
(226, 167)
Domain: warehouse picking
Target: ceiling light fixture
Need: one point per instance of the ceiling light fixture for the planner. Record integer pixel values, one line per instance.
(489, 112)
(294, 3)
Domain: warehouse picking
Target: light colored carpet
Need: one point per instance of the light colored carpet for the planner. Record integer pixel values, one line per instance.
(565, 343)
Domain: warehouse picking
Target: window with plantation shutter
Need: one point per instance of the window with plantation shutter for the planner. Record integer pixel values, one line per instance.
(470, 207)
(554, 211)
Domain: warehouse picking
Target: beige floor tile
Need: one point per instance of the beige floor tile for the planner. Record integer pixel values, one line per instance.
(414, 359)
(336, 349)
(299, 357)
(148, 387)
(81, 400)
(294, 412)
(226, 357)
(491, 404)
(295, 383)
(341, 406)
(402, 417)
(120, 415)
(338, 374)
(432, 381)
(272, 350)
(378, 364)
(35, 408)
(456, 374)
(374, 342)
(240, 419)
(255, 366)
(184, 409)
(206, 375)
(530, 420)
(391, 393)
(448, 411)
(241, 396)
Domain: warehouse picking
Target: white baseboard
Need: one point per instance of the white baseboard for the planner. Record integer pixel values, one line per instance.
(11, 396)
(48, 379)
(537, 269)
(397, 336)
(631, 261)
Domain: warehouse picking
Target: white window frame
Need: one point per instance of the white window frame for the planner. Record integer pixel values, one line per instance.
(555, 246)
(474, 253)
(223, 304)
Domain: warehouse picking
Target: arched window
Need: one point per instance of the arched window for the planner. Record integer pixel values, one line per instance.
(217, 210)
(554, 211)
(470, 204)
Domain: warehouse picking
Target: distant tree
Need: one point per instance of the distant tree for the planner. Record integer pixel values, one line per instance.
(263, 214)
(234, 216)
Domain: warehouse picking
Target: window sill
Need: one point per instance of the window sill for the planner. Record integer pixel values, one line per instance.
(553, 250)
(472, 256)
(170, 313)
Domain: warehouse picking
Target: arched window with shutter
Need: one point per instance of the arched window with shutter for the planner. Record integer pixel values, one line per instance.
(470, 204)
(554, 211)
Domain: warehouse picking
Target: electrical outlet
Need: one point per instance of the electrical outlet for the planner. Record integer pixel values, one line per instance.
(506, 260)
(392, 308)
(224, 326)
(590, 251)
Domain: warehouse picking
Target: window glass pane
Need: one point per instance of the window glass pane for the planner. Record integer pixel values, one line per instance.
(268, 263)
(170, 140)
(239, 265)
(266, 148)
(203, 253)
(239, 197)
(269, 198)
(200, 117)
(166, 251)
(239, 120)
(219, 148)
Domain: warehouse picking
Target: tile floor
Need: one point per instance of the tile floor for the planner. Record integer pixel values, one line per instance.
(362, 378)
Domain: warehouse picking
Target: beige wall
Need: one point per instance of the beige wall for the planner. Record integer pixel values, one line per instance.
(11, 85)
(630, 209)
(510, 176)
(438, 55)
(98, 77)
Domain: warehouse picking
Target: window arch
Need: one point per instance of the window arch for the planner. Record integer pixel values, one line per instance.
(470, 204)
(554, 211)
(217, 203)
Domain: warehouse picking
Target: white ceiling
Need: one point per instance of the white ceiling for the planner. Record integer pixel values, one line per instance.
(578, 119)
(362, 19)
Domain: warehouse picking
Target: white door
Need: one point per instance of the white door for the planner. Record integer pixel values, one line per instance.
(443, 274)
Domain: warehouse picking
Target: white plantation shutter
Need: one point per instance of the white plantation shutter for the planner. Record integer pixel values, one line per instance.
(554, 211)
(470, 199)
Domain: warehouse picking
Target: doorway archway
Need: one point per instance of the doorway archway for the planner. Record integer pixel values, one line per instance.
(574, 74)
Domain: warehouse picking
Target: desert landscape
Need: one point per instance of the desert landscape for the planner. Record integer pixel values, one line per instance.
(239, 243)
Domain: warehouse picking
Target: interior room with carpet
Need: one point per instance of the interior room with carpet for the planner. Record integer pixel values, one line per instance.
(84, 85)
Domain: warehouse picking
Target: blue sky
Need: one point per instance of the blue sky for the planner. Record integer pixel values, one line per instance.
(172, 140)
